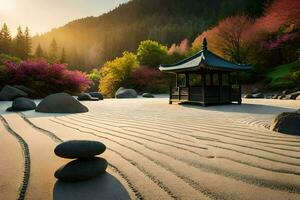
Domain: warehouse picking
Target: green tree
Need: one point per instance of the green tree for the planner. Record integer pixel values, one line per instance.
(116, 73)
(95, 76)
(5, 40)
(63, 58)
(19, 44)
(53, 51)
(27, 42)
(39, 53)
(151, 53)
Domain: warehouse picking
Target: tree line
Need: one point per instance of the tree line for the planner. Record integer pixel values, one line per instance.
(21, 46)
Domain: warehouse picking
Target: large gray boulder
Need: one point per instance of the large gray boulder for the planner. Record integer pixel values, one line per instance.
(287, 122)
(123, 93)
(96, 95)
(79, 149)
(86, 97)
(60, 103)
(81, 169)
(22, 104)
(9, 93)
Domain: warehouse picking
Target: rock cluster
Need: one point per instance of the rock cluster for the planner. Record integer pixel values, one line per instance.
(291, 94)
(85, 166)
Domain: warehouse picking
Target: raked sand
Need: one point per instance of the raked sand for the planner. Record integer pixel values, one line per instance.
(158, 151)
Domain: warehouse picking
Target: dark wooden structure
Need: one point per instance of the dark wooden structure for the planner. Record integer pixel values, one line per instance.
(205, 78)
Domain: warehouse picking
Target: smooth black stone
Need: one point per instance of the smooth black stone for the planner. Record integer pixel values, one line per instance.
(81, 169)
(9, 93)
(79, 149)
(86, 97)
(96, 95)
(22, 104)
(105, 187)
(60, 103)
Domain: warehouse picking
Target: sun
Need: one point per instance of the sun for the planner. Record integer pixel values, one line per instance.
(6, 5)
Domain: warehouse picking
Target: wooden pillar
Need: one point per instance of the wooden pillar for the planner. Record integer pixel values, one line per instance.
(176, 79)
(187, 84)
(230, 87)
(203, 74)
(220, 85)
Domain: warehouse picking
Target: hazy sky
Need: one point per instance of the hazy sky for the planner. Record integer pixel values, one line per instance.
(43, 15)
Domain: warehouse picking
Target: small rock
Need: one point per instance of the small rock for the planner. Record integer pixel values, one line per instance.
(81, 169)
(298, 98)
(96, 95)
(285, 92)
(123, 93)
(79, 149)
(281, 97)
(60, 103)
(9, 93)
(30, 92)
(293, 95)
(148, 95)
(258, 95)
(86, 97)
(287, 122)
(248, 96)
(22, 104)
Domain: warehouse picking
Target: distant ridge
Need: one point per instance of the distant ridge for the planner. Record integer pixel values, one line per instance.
(93, 40)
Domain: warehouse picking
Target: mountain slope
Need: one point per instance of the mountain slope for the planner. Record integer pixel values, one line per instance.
(93, 40)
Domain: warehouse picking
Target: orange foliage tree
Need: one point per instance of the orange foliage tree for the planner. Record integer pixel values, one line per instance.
(227, 38)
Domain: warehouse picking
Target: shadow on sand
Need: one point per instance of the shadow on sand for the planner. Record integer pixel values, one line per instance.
(243, 108)
(104, 186)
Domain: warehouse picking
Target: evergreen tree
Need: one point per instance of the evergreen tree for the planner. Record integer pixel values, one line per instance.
(27, 41)
(5, 40)
(53, 50)
(63, 58)
(19, 49)
(39, 53)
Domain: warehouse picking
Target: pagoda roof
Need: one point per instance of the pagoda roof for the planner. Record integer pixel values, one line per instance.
(204, 59)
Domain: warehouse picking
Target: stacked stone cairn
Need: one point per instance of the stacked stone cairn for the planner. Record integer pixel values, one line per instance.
(85, 165)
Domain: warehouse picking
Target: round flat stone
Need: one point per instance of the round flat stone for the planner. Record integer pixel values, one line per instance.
(81, 169)
(79, 149)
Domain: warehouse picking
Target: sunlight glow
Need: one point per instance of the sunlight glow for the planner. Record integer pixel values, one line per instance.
(6, 5)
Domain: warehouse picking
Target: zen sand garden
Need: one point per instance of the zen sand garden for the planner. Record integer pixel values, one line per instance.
(158, 151)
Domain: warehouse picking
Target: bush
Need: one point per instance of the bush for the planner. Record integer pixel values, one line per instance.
(46, 78)
(94, 76)
(149, 80)
(116, 73)
(4, 58)
(152, 54)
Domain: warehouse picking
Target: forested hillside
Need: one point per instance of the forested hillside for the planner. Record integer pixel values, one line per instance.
(91, 41)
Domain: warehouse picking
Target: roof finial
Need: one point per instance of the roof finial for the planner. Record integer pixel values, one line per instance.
(204, 44)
